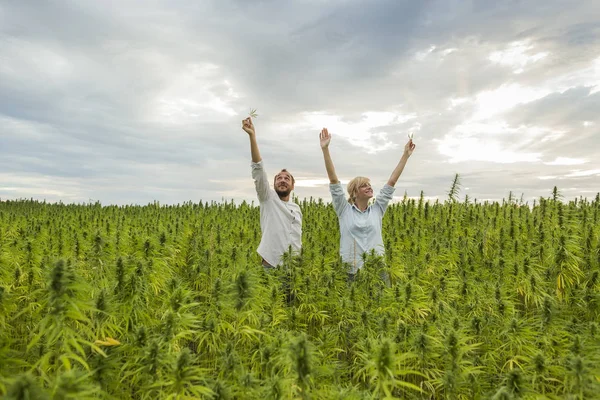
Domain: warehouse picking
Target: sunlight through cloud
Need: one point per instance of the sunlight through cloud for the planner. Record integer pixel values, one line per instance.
(370, 132)
(476, 149)
(517, 55)
(493, 102)
(196, 93)
(566, 161)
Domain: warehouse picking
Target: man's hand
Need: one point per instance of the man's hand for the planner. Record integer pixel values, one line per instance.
(325, 138)
(409, 148)
(248, 126)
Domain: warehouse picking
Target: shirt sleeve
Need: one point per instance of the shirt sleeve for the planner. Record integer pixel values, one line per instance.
(339, 200)
(384, 198)
(261, 182)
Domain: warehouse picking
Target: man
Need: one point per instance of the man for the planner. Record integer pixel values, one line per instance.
(280, 218)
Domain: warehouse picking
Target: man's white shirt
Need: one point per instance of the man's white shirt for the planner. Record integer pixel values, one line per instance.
(280, 221)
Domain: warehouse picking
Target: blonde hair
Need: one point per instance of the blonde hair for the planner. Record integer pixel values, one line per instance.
(353, 186)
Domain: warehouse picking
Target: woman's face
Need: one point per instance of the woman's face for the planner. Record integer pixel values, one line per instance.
(365, 191)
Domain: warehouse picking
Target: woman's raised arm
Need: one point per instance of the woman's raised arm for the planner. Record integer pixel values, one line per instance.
(408, 150)
(325, 139)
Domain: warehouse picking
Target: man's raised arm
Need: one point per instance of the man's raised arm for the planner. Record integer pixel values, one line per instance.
(258, 173)
(248, 126)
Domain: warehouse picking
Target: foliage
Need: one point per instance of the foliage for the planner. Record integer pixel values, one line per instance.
(485, 300)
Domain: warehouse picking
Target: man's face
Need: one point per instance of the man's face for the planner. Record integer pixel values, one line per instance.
(283, 184)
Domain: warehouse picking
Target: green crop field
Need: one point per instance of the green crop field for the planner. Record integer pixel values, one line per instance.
(487, 301)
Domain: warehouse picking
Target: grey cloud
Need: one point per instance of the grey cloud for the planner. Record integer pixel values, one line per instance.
(566, 112)
(560, 109)
(93, 120)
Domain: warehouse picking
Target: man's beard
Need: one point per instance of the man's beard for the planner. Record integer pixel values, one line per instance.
(283, 193)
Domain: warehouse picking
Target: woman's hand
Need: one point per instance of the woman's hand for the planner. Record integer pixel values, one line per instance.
(325, 138)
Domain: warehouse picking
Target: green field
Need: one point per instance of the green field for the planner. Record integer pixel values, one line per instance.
(494, 300)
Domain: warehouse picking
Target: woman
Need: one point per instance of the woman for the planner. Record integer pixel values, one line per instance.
(360, 223)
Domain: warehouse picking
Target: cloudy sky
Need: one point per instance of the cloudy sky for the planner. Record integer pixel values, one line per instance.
(136, 101)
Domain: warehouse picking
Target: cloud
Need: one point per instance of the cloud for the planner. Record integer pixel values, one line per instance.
(124, 104)
(517, 55)
(566, 161)
(475, 150)
(579, 173)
